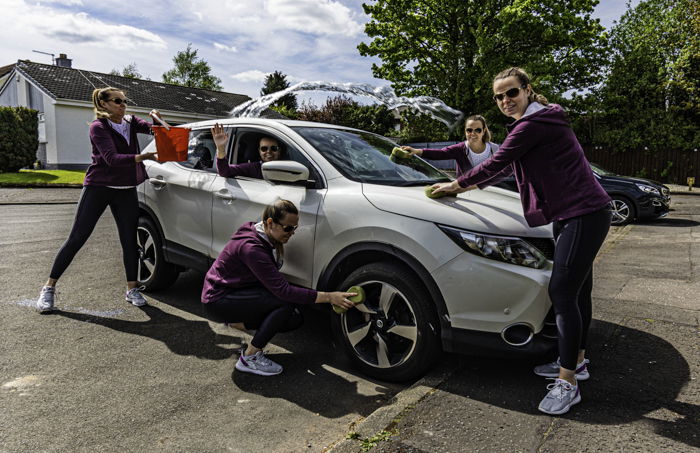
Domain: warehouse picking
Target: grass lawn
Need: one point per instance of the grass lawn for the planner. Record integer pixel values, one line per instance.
(42, 177)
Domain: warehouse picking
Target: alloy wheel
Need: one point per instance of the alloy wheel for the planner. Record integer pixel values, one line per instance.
(147, 254)
(620, 211)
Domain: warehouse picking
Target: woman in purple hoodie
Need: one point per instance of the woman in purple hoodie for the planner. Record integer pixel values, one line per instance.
(556, 185)
(111, 180)
(245, 288)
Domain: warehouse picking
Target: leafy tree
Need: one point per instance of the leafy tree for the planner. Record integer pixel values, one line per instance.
(343, 111)
(19, 138)
(650, 95)
(275, 82)
(418, 127)
(191, 71)
(130, 71)
(451, 49)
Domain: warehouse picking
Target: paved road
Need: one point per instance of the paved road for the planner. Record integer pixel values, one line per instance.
(102, 375)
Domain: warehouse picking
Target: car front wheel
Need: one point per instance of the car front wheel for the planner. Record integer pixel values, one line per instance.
(394, 334)
(622, 211)
(153, 271)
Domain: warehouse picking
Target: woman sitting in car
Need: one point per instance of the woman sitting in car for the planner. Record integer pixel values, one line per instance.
(269, 148)
(245, 288)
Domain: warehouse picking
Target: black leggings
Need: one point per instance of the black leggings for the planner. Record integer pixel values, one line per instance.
(93, 201)
(578, 240)
(258, 309)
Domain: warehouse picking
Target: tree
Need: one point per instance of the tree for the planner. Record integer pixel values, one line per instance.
(343, 111)
(650, 96)
(451, 49)
(130, 71)
(191, 71)
(19, 138)
(275, 82)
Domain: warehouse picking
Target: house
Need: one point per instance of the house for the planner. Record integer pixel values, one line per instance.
(63, 97)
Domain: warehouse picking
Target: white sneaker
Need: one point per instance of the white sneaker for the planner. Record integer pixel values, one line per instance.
(551, 370)
(562, 395)
(46, 298)
(258, 363)
(135, 297)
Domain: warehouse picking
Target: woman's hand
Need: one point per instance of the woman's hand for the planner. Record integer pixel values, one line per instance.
(146, 156)
(220, 139)
(337, 298)
(415, 151)
(157, 119)
(447, 187)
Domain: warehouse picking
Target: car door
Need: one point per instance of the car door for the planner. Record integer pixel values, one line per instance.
(242, 199)
(180, 194)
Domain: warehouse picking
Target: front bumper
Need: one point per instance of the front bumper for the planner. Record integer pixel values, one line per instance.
(653, 207)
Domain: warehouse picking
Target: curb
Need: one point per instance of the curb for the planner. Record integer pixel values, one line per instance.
(39, 186)
(384, 419)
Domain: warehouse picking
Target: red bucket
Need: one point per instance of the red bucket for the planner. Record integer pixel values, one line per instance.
(171, 145)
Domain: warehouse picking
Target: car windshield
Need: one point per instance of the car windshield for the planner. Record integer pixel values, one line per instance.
(366, 157)
(602, 172)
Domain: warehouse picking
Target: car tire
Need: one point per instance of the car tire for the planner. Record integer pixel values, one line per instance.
(394, 335)
(153, 272)
(622, 209)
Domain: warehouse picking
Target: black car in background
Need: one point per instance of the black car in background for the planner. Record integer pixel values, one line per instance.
(632, 198)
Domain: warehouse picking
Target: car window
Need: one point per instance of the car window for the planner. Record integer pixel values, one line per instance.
(246, 150)
(366, 157)
(201, 150)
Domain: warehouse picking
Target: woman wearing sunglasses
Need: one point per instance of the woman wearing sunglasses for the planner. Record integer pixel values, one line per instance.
(244, 286)
(111, 180)
(468, 154)
(556, 185)
(268, 147)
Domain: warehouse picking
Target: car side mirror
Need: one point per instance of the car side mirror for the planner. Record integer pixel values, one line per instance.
(285, 171)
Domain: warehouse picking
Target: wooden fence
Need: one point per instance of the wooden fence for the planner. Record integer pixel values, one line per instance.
(669, 166)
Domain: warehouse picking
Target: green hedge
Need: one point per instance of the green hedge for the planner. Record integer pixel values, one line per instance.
(19, 138)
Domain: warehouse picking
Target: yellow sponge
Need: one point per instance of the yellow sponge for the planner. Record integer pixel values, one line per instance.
(429, 193)
(401, 154)
(358, 299)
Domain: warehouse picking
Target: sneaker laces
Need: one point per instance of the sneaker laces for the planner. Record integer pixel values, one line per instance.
(262, 359)
(559, 388)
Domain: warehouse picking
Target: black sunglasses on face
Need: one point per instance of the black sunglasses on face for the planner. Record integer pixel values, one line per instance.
(273, 148)
(119, 101)
(513, 92)
(477, 130)
(287, 228)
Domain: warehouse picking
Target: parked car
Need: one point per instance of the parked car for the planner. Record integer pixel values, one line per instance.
(632, 198)
(463, 274)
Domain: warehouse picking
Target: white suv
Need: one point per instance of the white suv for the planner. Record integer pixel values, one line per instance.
(463, 274)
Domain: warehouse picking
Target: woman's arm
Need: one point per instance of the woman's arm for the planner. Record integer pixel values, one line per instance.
(448, 152)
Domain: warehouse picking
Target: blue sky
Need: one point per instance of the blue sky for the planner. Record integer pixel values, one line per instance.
(241, 39)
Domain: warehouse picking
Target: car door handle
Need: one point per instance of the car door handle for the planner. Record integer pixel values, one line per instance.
(225, 195)
(157, 183)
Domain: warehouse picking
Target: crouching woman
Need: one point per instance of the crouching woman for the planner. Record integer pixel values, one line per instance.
(245, 288)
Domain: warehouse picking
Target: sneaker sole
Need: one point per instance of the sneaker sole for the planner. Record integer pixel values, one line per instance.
(136, 304)
(45, 310)
(565, 409)
(579, 376)
(245, 369)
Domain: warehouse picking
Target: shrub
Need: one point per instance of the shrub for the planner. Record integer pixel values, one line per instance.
(19, 138)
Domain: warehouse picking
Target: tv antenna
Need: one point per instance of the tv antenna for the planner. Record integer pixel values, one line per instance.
(53, 59)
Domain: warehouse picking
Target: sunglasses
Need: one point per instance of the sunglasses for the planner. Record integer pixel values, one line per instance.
(477, 130)
(119, 101)
(273, 148)
(513, 92)
(288, 228)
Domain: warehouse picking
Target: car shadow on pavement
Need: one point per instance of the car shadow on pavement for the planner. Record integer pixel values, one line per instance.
(181, 336)
(634, 376)
(678, 223)
(317, 376)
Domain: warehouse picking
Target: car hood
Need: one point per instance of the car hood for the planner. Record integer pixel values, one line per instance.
(495, 211)
(630, 180)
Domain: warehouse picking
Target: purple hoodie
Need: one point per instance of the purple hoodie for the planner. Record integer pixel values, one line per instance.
(250, 169)
(246, 261)
(458, 152)
(113, 161)
(554, 178)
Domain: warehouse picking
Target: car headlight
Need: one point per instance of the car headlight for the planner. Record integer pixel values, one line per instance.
(648, 189)
(510, 250)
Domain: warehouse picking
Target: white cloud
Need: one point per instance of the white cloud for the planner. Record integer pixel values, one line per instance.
(64, 2)
(225, 48)
(317, 17)
(254, 75)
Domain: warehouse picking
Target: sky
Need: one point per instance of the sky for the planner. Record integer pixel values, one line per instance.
(242, 40)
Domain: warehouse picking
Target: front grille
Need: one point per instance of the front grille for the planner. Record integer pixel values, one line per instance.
(544, 245)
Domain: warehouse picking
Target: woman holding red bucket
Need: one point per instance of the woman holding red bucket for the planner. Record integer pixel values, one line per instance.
(111, 180)
(556, 185)
(245, 288)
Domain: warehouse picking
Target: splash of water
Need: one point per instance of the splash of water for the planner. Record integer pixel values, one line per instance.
(384, 95)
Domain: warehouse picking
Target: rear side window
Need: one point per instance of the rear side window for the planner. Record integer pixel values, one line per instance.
(201, 150)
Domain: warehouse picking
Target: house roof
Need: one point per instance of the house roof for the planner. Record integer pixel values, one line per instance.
(5, 69)
(77, 84)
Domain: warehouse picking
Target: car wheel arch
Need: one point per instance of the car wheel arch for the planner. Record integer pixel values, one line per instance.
(369, 252)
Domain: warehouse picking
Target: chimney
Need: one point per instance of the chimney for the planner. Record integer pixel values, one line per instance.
(63, 61)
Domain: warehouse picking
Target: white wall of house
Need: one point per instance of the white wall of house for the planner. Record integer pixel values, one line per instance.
(8, 97)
